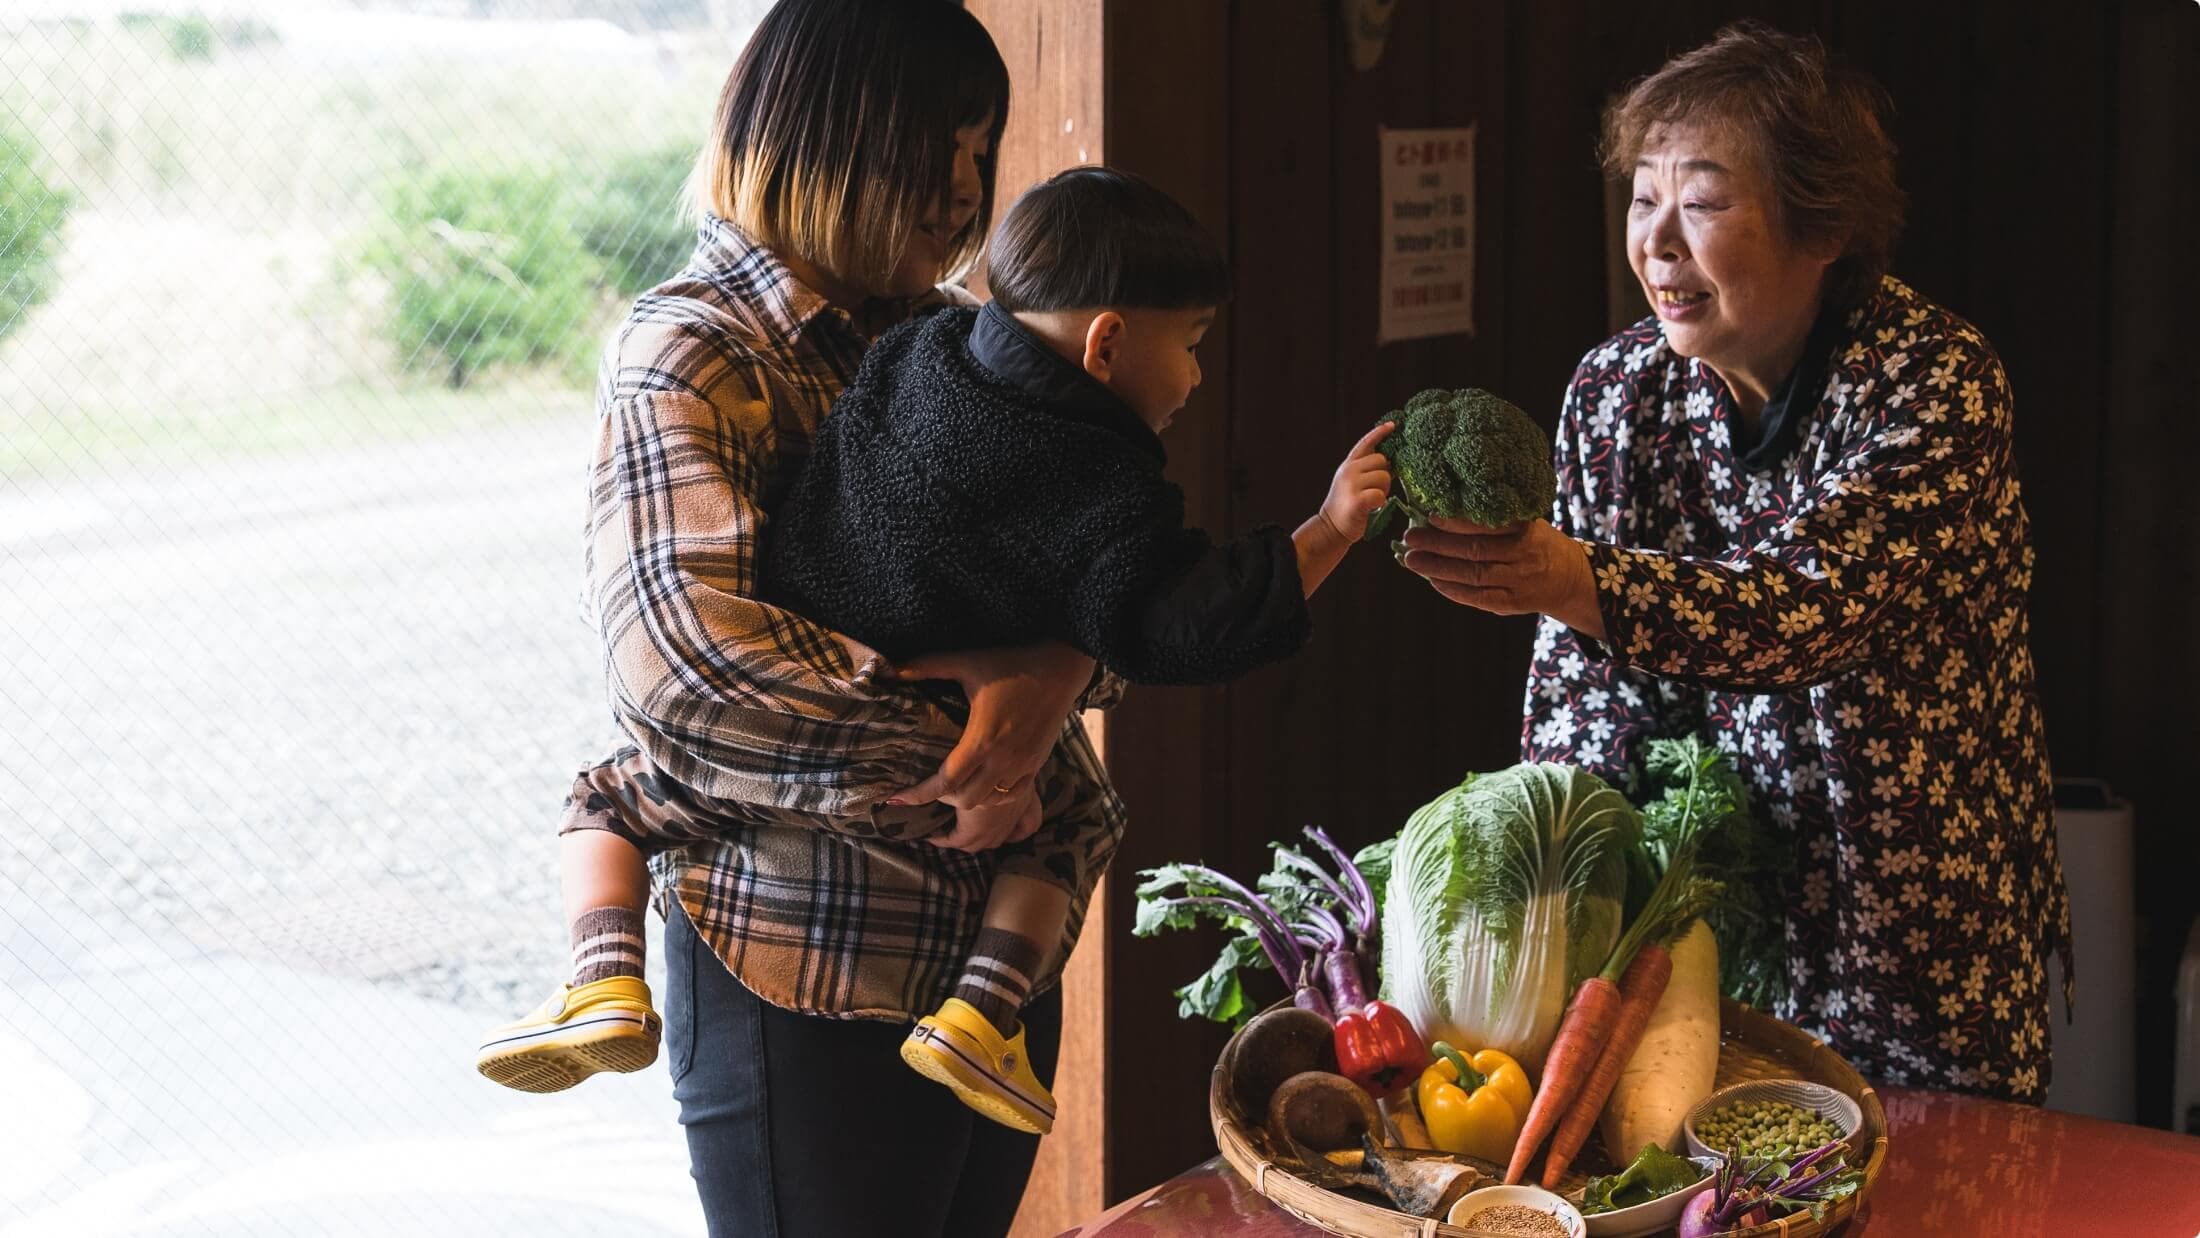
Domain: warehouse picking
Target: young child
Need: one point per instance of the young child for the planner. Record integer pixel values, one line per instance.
(993, 478)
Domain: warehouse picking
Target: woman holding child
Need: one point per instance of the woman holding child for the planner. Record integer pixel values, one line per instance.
(849, 171)
(1788, 519)
(984, 504)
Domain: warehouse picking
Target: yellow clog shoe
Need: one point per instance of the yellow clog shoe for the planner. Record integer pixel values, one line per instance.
(960, 1048)
(605, 1024)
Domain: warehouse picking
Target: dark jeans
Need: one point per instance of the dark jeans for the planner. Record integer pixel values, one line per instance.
(802, 1127)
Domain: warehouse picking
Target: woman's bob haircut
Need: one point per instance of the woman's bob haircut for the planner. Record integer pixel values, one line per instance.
(835, 132)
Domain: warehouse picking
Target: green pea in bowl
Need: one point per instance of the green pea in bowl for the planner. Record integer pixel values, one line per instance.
(1765, 1115)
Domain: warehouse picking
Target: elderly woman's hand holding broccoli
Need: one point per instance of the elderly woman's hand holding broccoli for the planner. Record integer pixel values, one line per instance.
(1474, 480)
(1528, 569)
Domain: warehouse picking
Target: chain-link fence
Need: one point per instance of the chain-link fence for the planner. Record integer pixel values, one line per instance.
(299, 304)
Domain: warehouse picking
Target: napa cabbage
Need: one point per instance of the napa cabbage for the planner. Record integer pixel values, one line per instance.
(1503, 893)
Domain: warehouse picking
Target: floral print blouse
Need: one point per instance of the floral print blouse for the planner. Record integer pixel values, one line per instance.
(1841, 607)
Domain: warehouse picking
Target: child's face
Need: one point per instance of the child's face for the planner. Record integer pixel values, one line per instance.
(1157, 363)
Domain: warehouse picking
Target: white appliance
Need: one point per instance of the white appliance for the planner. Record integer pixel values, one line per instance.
(2095, 1068)
(2184, 1112)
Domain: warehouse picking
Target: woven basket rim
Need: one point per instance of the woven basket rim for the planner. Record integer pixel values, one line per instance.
(1813, 1060)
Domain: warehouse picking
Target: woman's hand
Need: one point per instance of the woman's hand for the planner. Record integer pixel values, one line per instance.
(1528, 568)
(1018, 701)
(1002, 819)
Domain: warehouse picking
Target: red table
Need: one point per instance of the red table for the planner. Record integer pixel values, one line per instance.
(1955, 1165)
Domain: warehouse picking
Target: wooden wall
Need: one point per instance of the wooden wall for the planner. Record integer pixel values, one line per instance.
(2050, 156)
(1056, 120)
(2141, 670)
(1249, 114)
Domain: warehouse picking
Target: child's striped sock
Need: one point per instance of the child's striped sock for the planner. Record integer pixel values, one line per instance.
(607, 941)
(999, 976)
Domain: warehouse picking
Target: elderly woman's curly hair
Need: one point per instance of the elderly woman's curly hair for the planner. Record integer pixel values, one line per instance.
(1815, 126)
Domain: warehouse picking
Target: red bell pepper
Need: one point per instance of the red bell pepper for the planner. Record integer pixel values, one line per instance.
(1378, 1048)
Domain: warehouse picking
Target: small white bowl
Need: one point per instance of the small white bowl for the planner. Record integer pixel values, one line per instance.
(1833, 1106)
(1659, 1214)
(1535, 1197)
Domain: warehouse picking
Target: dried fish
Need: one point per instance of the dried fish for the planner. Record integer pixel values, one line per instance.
(1423, 1183)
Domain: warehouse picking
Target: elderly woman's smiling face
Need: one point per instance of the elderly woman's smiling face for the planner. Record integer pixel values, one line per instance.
(1705, 238)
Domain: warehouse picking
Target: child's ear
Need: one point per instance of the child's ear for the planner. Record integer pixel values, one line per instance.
(1103, 344)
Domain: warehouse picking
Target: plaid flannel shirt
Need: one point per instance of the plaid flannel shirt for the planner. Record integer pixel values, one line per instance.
(817, 896)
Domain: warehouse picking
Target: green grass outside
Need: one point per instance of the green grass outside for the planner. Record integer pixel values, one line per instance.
(254, 143)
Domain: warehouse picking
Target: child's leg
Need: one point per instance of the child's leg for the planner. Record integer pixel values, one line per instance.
(606, 892)
(602, 1018)
(1023, 923)
(974, 1043)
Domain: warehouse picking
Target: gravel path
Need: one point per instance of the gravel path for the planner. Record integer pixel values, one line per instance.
(315, 710)
(284, 743)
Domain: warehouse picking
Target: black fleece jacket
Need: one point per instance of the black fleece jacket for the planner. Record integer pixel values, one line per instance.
(974, 490)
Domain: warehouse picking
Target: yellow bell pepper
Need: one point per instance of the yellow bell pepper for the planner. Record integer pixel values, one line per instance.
(1474, 1106)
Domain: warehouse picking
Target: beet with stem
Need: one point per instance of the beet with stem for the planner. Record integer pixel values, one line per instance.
(1317, 1111)
(1276, 1045)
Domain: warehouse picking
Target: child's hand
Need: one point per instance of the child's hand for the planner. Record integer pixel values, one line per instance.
(1361, 485)
(998, 819)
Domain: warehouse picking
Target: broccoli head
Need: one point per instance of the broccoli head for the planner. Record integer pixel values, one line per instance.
(1465, 455)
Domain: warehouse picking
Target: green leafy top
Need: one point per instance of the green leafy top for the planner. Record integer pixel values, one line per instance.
(1312, 923)
(1373, 861)
(1179, 896)
(1698, 792)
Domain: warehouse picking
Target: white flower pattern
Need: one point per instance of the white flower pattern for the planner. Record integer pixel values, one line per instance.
(1851, 625)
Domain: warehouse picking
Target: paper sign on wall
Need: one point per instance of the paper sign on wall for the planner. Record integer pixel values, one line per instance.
(1427, 281)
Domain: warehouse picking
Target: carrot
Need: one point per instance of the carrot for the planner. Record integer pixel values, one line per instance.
(1573, 1055)
(1679, 897)
(1639, 991)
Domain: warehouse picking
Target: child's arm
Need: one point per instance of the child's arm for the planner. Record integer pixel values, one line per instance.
(1159, 603)
(1361, 484)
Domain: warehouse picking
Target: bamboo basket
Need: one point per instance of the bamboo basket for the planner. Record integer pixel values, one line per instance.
(1751, 1046)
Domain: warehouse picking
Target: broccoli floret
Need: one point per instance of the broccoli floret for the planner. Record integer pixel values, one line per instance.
(1467, 455)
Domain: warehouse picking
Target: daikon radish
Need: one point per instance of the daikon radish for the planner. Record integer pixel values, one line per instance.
(1678, 1060)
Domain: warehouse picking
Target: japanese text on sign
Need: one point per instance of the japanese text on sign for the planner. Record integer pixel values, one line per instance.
(1427, 282)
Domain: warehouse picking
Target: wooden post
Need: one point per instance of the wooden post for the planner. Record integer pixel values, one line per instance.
(1054, 51)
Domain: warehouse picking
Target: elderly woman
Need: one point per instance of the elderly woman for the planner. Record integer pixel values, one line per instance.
(1788, 520)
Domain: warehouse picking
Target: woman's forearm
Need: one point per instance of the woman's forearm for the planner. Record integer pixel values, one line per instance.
(1577, 605)
(1767, 620)
(718, 686)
